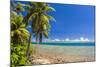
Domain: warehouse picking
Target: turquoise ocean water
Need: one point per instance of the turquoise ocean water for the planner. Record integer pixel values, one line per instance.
(67, 44)
(76, 49)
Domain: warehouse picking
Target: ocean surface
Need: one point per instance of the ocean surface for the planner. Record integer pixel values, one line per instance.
(67, 44)
(76, 49)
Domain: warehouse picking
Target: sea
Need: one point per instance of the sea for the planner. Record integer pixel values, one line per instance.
(71, 48)
(67, 43)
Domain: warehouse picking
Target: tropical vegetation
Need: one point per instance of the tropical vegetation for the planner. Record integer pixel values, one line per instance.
(37, 15)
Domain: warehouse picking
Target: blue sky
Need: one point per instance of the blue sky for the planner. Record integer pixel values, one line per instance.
(72, 21)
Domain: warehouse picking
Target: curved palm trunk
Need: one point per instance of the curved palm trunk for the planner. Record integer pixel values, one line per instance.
(37, 40)
(36, 46)
(40, 32)
(40, 38)
(28, 46)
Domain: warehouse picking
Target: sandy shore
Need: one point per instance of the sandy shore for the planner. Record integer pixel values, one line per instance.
(47, 58)
(46, 54)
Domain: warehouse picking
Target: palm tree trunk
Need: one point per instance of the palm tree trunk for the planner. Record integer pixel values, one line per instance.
(40, 37)
(28, 46)
(36, 46)
(37, 39)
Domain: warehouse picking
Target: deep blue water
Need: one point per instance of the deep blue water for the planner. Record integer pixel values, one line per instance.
(67, 44)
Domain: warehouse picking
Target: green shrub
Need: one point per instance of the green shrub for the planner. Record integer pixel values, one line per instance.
(18, 54)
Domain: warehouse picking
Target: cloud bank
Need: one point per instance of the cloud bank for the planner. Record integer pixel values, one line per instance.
(81, 39)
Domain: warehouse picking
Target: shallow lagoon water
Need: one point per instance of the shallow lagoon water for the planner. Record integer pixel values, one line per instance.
(88, 49)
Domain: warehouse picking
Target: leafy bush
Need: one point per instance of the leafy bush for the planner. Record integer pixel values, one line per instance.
(18, 54)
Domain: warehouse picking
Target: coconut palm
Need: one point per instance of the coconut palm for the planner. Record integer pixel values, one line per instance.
(19, 34)
(40, 20)
(17, 27)
(41, 25)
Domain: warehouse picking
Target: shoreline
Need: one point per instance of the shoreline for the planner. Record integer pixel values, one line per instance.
(45, 57)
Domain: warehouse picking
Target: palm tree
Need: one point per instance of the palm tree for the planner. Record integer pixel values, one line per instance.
(40, 19)
(38, 14)
(19, 34)
(16, 33)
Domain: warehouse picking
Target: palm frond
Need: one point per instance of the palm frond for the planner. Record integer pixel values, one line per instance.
(50, 17)
(45, 33)
(19, 7)
(48, 8)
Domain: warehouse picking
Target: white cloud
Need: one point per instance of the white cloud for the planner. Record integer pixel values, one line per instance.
(81, 39)
(67, 39)
(76, 40)
(57, 40)
(84, 39)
